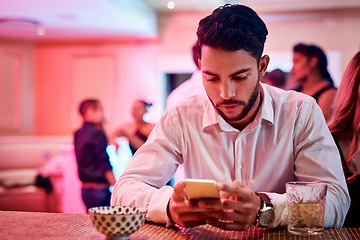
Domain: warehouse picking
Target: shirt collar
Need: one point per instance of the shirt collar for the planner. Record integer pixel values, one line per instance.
(211, 115)
(267, 108)
(265, 114)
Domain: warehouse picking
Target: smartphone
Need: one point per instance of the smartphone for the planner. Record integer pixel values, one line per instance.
(201, 188)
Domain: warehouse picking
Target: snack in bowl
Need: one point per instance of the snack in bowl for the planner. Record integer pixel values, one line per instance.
(117, 222)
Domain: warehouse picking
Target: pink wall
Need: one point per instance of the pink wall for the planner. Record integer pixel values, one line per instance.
(117, 74)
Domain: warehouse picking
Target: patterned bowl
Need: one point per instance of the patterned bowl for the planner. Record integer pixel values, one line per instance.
(117, 222)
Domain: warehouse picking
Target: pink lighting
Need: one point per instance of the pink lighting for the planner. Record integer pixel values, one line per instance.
(64, 53)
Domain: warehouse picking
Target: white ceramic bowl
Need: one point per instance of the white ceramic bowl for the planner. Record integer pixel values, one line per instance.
(117, 222)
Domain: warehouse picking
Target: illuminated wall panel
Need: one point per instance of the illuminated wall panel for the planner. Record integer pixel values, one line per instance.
(9, 91)
(16, 87)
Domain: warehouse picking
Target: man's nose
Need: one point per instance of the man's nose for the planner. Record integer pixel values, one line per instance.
(227, 90)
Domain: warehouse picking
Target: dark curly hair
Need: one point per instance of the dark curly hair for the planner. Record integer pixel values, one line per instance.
(233, 27)
(88, 103)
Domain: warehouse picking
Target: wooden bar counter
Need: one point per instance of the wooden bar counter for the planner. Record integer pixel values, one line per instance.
(35, 225)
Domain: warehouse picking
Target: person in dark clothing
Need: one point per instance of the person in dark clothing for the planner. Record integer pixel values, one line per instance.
(141, 137)
(138, 131)
(94, 169)
(310, 71)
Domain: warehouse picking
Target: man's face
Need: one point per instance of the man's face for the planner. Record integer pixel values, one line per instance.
(301, 67)
(96, 114)
(231, 81)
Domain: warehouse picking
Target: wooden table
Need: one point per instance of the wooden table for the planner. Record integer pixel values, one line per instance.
(31, 225)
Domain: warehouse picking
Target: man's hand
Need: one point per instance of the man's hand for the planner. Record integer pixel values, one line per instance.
(186, 213)
(236, 210)
(239, 204)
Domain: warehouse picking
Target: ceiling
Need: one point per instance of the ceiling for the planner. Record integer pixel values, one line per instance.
(79, 19)
(75, 18)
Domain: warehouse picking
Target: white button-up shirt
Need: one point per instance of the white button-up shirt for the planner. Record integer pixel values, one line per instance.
(287, 141)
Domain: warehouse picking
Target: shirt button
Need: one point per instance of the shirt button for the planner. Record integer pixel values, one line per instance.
(240, 166)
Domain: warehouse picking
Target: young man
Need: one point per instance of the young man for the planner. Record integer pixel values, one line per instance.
(94, 167)
(250, 137)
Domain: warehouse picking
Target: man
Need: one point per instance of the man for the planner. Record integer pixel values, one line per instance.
(94, 167)
(250, 137)
(190, 87)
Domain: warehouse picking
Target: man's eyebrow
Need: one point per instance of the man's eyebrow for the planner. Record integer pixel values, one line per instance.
(210, 73)
(233, 74)
(240, 71)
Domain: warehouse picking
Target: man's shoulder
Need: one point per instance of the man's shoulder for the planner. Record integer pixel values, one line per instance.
(88, 130)
(196, 101)
(79, 131)
(194, 105)
(288, 97)
(288, 104)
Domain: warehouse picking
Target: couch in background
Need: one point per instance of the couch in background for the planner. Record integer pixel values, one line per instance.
(23, 159)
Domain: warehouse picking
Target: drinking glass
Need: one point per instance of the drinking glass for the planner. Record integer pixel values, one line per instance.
(306, 204)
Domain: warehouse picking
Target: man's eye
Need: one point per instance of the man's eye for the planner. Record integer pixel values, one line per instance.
(211, 79)
(239, 78)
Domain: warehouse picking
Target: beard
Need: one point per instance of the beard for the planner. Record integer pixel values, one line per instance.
(247, 107)
(252, 100)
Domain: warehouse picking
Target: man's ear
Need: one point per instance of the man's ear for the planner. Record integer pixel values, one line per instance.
(199, 62)
(263, 64)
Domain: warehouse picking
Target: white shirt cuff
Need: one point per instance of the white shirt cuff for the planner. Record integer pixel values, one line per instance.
(157, 208)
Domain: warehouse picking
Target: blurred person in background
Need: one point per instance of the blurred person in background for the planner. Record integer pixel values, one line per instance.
(276, 78)
(190, 87)
(345, 127)
(310, 71)
(138, 131)
(94, 169)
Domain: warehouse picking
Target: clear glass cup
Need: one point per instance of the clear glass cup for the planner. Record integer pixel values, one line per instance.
(306, 204)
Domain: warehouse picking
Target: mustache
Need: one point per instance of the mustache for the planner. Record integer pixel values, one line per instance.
(230, 101)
